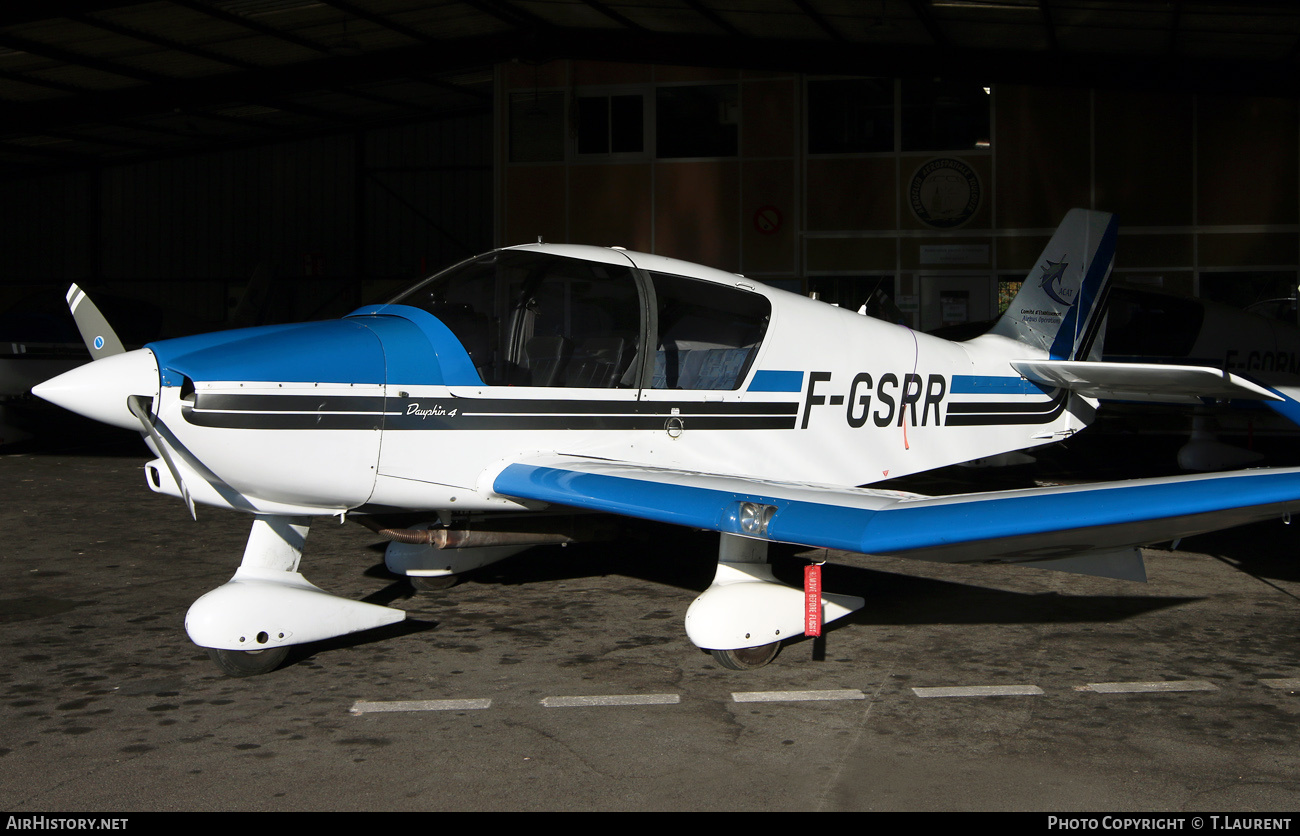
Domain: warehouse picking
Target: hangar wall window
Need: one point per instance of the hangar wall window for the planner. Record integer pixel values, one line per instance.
(945, 115)
(697, 121)
(1008, 287)
(536, 127)
(609, 124)
(850, 116)
(708, 333)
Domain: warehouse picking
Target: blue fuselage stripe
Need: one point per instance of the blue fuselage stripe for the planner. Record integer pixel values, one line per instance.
(777, 381)
(969, 384)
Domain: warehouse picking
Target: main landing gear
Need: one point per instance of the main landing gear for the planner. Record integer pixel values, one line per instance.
(745, 614)
(248, 625)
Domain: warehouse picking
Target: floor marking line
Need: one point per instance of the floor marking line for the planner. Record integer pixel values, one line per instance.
(612, 699)
(370, 707)
(1290, 684)
(797, 696)
(980, 691)
(1150, 687)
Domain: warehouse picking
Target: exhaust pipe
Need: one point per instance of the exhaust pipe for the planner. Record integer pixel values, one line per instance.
(541, 532)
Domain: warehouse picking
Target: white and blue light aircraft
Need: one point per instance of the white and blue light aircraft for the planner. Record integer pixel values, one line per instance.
(510, 392)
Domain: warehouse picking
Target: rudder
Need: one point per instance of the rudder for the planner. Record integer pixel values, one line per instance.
(1057, 307)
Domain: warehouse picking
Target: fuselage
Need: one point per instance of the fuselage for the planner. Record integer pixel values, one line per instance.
(419, 403)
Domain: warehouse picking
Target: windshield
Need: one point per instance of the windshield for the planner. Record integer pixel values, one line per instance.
(534, 319)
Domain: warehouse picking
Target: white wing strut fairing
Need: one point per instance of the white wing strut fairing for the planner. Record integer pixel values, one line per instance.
(627, 383)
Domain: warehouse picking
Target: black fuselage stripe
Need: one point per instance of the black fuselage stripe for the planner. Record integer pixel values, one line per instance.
(376, 421)
(289, 403)
(282, 421)
(1005, 407)
(494, 406)
(371, 412)
(994, 414)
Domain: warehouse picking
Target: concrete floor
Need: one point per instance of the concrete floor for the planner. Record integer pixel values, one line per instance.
(109, 708)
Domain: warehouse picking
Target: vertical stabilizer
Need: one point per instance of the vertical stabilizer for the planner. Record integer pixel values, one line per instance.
(1056, 308)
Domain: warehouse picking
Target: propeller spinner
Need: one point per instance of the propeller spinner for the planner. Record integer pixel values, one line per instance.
(115, 387)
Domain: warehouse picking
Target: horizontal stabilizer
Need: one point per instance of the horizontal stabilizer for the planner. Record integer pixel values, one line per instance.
(1142, 381)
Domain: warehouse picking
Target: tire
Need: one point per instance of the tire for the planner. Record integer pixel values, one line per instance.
(248, 662)
(432, 583)
(747, 658)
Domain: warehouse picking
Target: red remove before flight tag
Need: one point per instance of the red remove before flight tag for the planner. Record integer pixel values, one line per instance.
(812, 600)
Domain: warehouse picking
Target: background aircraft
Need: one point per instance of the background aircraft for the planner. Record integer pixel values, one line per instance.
(1149, 326)
(529, 384)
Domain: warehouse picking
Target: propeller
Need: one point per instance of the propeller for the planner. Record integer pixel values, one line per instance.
(100, 338)
(136, 404)
(114, 377)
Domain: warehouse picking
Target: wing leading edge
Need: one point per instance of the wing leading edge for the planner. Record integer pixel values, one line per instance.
(1091, 529)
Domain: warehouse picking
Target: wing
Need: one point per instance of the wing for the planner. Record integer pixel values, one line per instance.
(1092, 529)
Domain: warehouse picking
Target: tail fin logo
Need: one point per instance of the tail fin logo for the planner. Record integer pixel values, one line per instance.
(1053, 274)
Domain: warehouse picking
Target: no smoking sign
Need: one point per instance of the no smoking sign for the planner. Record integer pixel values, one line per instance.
(768, 220)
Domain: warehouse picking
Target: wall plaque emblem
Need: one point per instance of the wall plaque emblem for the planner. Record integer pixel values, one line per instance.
(945, 193)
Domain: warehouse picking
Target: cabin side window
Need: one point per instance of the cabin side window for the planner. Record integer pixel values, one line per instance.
(708, 334)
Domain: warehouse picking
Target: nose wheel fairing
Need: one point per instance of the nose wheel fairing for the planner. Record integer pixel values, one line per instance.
(259, 609)
(268, 604)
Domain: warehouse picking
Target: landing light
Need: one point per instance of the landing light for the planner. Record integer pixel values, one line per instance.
(754, 518)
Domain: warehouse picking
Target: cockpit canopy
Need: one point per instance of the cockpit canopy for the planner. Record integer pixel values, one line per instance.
(530, 318)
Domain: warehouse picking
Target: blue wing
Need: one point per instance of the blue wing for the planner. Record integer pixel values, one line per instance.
(1091, 528)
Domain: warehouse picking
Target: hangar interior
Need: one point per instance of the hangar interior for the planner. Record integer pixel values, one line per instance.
(168, 151)
(935, 191)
